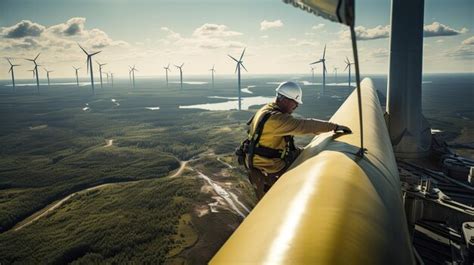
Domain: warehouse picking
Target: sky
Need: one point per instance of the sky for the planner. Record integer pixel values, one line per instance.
(279, 39)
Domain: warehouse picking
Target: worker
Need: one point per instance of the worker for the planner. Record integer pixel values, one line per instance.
(270, 150)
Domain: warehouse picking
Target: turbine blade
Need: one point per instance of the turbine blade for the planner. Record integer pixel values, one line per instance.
(347, 66)
(37, 56)
(324, 53)
(181, 65)
(236, 67)
(233, 58)
(95, 53)
(82, 49)
(316, 62)
(242, 55)
(244, 67)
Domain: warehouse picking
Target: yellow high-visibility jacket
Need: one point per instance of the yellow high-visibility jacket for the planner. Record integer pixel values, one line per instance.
(276, 127)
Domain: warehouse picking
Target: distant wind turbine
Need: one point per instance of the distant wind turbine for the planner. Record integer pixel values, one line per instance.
(212, 71)
(323, 60)
(180, 73)
(89, 65)
(47, 75)
(167, 68)
(107, 74)
(13, 74)
(237, 69)
(77, 75)
(335, 73)
(312, 74)
(348, 65)
(133, 69)
(36, 71)
(100, 72)
(112, 79)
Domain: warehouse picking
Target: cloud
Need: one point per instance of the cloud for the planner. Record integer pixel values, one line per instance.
(318, 27)
(73, 27)
(469, 41)
(214, 30)
(264, 25)
(59, 38)
(379, 32)
(437, 29)
(207, 36)
(379, 53)
(463, 52)
(25, 28)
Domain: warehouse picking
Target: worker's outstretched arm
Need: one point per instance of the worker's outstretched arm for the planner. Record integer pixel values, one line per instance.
(285, 124)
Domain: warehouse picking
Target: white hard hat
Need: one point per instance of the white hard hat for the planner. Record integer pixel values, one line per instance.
(290, 90)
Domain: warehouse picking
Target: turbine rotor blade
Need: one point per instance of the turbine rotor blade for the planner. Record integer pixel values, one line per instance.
(242, 55)
(244, 67)
(36, 57)
(82, 49)
(324, 53)
(233, 58)
(316, 62)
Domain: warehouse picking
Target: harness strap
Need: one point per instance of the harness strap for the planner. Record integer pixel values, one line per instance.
(256, 137)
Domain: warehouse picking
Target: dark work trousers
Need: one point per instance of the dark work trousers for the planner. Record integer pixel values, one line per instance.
(263, 182)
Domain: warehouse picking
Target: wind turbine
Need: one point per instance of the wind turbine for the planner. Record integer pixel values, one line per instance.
(77, 75)
(348, 65)
(47, 75)
(133, 69)
(180, 73)
(237, 69)
(312, 74)
(167, 68)
(335, 73)
(323, 60)
(112, 78)
(36, 71)
(212, 71)
(100, 72)
(13, 74)
(89, 65)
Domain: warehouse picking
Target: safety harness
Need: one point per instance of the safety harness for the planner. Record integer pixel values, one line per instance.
(251, 146)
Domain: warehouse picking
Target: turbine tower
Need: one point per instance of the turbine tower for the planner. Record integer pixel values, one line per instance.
(237, 69)
(89, 65)
(130, 74)
(335, 73)
(167, 68)
(323, 60)
(35, 73)
(100, 72)
(180, 73)
(107, 75)
(13, 74)
(133, 69)
(77, 75)
(212, 72)
(348, 66)
(312, 74)
(47, 75)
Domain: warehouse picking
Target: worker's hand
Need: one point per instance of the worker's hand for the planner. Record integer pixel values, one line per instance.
(342, 129)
